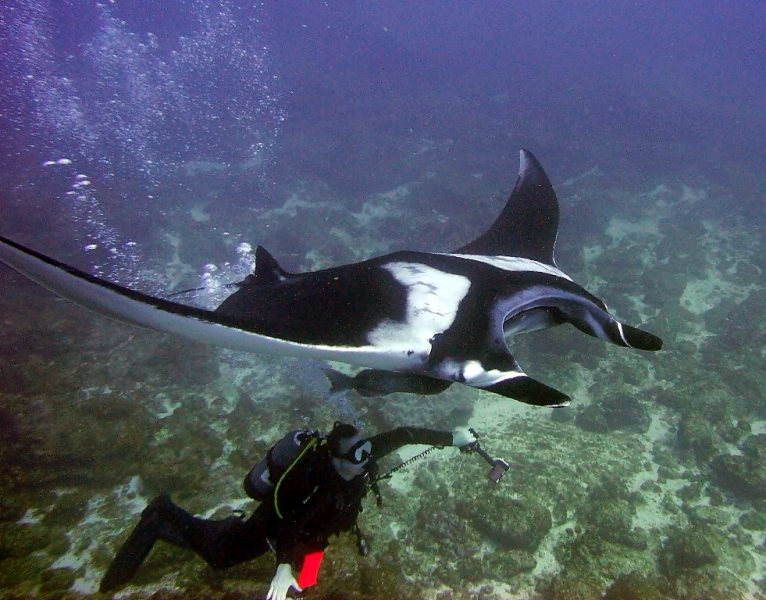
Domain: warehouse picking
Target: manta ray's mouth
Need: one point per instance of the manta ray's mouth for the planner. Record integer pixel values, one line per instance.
(533, 319)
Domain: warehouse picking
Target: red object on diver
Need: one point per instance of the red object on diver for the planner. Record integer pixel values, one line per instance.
(310, 570)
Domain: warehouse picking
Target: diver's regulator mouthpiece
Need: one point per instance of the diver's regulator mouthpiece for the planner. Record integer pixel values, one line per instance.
(499, 466)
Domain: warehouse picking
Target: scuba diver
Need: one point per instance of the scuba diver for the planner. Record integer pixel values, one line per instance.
(310, 487)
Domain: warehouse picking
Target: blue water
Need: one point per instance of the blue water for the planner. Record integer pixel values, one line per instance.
(151, 142)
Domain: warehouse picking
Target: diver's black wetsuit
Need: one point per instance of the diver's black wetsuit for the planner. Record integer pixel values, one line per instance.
(314, 501)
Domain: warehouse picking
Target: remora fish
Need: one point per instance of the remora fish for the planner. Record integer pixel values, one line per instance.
(372, 383)
(437, 315)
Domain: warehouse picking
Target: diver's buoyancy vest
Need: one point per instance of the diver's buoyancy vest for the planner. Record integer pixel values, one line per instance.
(263, 478)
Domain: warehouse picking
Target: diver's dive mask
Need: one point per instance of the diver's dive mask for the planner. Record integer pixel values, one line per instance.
(350, 450)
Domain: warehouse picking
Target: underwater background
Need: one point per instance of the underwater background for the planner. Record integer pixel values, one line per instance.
(156, 144)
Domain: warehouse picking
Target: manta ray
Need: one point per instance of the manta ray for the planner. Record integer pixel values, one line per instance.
(419, 316)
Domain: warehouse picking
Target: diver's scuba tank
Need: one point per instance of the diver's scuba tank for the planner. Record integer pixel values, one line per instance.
(261, 480)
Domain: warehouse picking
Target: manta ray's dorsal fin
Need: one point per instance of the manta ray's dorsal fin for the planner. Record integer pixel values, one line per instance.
(267, 269)
(529, 223)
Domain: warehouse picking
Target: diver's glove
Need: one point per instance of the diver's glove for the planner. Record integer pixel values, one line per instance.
(282, 582)
(462, 436)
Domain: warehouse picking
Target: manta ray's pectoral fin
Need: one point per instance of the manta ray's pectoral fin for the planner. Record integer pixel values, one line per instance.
(132, 307)
(529, 391)
(529, 223)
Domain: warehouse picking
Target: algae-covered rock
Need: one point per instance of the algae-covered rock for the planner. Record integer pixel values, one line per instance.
(512, 524)
(11, 510)
(753, 520)
(17, 541)
(94, 448)
(575, 586)
(691, 492)
(187, 363)
(608, 515)
(592, 418)
(56, 579)
(109, 407)
(562, 415)
(611, 487)
(504, 566)
(739, 536)
(22, 572)
(625, 413)
(673, 398)
(635, 586)
(59, 545)
(732, 433)
(612, 521)
(170, 477)
(740, 476)
(12, 378)
(697, 436)
(177, 465)
(68, 510)
(690, 548)
(711, 515)
(446, 534)
(754, 447)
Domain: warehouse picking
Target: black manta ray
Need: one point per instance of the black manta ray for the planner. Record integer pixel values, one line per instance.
(441, 316)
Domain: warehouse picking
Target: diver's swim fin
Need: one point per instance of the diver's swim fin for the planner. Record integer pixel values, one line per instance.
(136, 547)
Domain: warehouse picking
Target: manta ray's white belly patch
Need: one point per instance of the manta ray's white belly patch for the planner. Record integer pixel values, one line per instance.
(514, 263)
(433, 299)
(474, 373)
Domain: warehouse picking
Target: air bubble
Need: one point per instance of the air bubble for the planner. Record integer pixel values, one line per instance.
(129, 108)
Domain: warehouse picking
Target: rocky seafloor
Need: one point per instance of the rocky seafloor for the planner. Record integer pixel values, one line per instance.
(651, 485)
